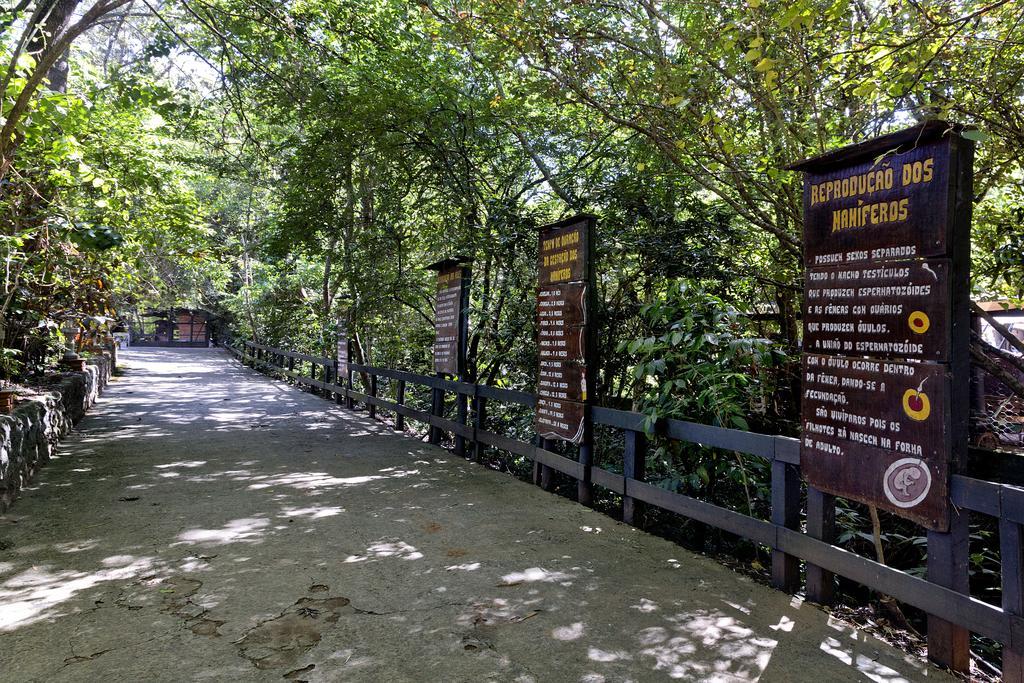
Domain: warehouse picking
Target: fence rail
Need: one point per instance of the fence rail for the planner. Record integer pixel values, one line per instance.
(794, 533)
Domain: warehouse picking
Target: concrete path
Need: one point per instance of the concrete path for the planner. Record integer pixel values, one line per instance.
(206, 523)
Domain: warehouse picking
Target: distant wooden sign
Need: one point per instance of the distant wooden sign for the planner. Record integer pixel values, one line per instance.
(342, 351)
(887, 249)
(565, 373)
(450, 325)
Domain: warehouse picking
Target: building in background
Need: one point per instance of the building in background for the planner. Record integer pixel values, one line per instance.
(178, 327)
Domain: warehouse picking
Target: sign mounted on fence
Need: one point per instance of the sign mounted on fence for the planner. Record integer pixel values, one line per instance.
(343, 357)
(886, 320)
(565, 343)
(451, 308)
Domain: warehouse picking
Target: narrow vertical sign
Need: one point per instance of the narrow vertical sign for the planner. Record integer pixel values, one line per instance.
(450, 308)
(565, 373)
(887, 251)
(342, 349)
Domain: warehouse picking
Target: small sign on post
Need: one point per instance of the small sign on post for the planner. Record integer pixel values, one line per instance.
(451, 332)
(343, 357)
(451, 310)
(566, 348)
(342, 354)
(886, 320)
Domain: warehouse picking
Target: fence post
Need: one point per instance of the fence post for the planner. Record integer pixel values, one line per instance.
(349, 403)
(400, 400)
(821, 524)
(786, 513)
(291, 364)
(584, 487)
(1011, 556)
(461, 413)
(371, 409)
(547, 474)
(436, 410)
(479, 421)
(634, 466)
(535, 477)
(339, 396)
(949, 645)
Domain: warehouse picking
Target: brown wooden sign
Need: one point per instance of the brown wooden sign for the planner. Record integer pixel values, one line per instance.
(449, 316)
(895, 207)
(887, 249)
(560, 419)
(862, 416)
(891, 309)
(565, 364)
(342, 349)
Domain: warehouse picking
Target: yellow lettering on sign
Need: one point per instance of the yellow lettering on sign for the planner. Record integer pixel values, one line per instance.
(860, 185)
(878, 213)
(560, 275)
(918, 172)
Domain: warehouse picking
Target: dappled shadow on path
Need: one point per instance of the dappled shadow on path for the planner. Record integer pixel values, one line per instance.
(206, 510)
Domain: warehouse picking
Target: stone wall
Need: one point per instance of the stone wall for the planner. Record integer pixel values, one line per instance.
(30, 433)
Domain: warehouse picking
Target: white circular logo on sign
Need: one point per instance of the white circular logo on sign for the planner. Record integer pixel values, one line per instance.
(907, 482)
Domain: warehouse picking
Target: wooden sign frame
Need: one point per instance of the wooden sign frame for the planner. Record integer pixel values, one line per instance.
(454, 276)
(342, 350)
(566, 300)
(888, 208)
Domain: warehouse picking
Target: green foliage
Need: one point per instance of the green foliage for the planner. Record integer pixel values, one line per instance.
(700, 362)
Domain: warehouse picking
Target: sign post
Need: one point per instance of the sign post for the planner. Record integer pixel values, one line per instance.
(342, 374)
(886, 362)
(566, 358)
(451, 333)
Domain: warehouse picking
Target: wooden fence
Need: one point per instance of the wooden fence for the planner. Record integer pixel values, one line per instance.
(795, 533)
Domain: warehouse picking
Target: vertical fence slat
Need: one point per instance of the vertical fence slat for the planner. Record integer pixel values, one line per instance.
(949, 645)
(371, 409)
(539, 442)
(547, 474)
(634, 466)
(437, 410)
(349, 401)
(1011, 556)
(821, 524)
(400, 400)
(461, 413)
(339, 396)
(479, 421)
(785, 512)
(584, 487)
